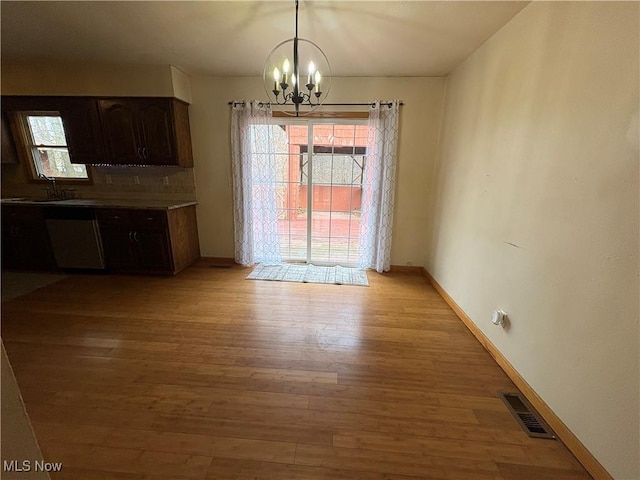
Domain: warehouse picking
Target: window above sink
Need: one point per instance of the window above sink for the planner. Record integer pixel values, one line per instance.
(44, 143)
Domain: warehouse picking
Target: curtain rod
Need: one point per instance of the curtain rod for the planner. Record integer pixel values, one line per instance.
(388, 104)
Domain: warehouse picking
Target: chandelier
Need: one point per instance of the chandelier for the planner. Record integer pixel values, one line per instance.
(285, 83)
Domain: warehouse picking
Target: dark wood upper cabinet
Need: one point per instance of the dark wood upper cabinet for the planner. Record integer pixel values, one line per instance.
(120, 132)
(112, 131)
(8, 153)
(82, 129)
(80, 119)
(156, 132)
(146, 131)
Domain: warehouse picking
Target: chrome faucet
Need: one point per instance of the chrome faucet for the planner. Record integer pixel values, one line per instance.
(53, 191)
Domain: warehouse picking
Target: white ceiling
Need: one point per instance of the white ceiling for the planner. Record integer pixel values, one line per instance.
(360, 38)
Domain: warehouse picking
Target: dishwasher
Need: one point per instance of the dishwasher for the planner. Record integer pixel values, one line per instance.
(75, 237)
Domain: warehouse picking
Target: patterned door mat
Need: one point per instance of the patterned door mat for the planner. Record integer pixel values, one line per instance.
(285, 272)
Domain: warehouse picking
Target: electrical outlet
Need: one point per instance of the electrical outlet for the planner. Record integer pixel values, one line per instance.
(136, 180)
(498, 318)
(107, 178)
(165, 180)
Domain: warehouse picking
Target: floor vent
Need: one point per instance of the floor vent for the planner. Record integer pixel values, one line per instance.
(526, 416)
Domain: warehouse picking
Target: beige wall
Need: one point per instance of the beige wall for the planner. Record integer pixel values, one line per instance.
(419, 128)
(536, 211)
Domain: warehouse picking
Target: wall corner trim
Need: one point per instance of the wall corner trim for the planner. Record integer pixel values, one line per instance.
(582, 454)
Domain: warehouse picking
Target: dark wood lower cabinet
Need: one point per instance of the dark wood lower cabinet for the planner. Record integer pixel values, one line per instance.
(133, 240)
(149, 241)
(118, 249)
(25, 240)
(153, 250)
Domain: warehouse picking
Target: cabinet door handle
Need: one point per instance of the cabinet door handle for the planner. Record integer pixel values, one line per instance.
(144, 152)
(131, 236)
(135, 236)
(140, 152)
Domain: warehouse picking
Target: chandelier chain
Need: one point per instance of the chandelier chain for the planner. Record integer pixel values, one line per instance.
(289, 90)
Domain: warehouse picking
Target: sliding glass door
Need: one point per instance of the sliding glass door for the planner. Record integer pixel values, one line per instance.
(292, 206)
(320, 166)
(335, 180)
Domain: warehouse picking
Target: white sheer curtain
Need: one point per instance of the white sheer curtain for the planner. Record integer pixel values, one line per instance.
(378, 187)
(254, 184)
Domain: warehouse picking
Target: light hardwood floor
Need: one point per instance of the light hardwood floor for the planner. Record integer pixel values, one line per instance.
(207, 375)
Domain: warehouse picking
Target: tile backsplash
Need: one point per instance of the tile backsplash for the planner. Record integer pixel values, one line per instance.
(135, 183)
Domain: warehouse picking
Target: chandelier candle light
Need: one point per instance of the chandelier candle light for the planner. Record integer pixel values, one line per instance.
(281, 80)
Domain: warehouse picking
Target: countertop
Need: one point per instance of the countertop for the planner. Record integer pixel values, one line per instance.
(102, 203)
